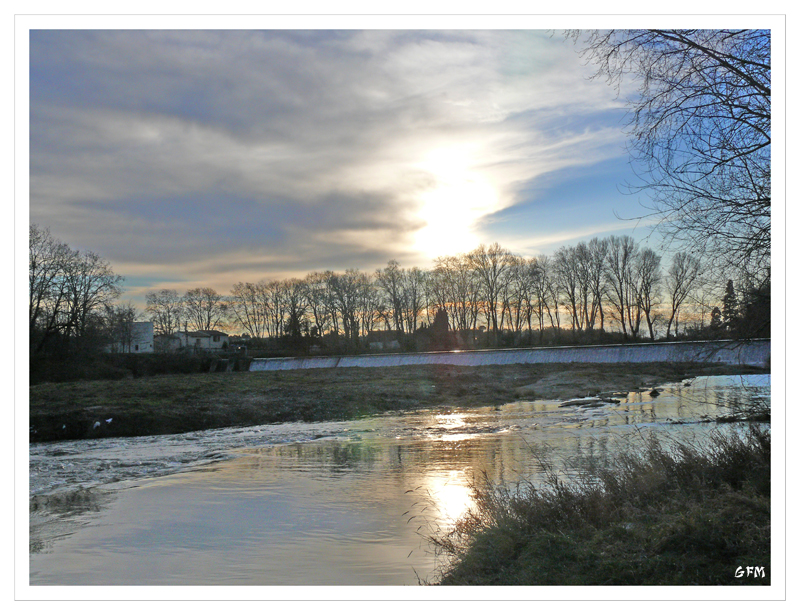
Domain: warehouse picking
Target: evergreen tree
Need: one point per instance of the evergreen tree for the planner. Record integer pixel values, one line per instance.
(730, 307)
(716, 319)
(440, 331)
(754, 311)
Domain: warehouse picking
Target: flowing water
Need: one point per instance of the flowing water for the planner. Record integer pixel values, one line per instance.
(329, 503)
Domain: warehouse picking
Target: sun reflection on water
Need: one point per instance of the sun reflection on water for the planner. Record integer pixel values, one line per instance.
(450, 421)
(451, 495)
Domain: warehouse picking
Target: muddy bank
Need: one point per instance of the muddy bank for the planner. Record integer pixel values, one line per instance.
(190, 402)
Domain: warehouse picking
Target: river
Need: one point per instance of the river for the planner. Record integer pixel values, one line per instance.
(331, 503)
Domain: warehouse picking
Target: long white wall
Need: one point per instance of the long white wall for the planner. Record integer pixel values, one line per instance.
(755, 353)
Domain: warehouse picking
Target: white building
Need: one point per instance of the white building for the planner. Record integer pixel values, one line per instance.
(192, 341)
(137, 339)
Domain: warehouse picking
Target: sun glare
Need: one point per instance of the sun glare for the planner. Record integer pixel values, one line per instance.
(460, 196)
(452, 496)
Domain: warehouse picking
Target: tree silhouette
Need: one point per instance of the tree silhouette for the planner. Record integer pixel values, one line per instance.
(700, 132)
(730, 308)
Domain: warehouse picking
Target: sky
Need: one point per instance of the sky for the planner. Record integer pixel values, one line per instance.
(204, 158)
(192, 158)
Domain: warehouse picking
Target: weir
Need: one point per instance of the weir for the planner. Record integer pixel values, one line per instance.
(754, 353)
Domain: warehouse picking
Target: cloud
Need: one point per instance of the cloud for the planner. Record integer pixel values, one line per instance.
(295, 150)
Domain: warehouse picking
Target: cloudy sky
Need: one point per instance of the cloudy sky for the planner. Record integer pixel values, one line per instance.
(204, 158)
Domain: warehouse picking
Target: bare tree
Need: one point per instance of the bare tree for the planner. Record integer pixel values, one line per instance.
(390, 280)
(273, 303)
(454, 285)
(296, 297)
(703, 298)
(345, 290)
(598, 252)
(330, 297)
(565, 264)
(119, 321)
(91, 285)
(68, 290)
(549, 290)
(370, 303)
(404, 295)
(165, 308)
(538, 270)
(491, 265)
(619, 275)
(246, 308)
(700, 132)
(204, 308)
(47, 262)
(414, 283)
(319, 301)
(517, 295)
(647, 280)
(681, 279)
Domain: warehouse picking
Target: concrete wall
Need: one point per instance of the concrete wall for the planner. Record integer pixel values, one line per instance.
(754, 353)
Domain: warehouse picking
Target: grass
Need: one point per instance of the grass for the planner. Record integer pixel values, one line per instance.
(177, 403)
(668, 515)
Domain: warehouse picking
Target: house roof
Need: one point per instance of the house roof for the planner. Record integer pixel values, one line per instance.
(207, 333)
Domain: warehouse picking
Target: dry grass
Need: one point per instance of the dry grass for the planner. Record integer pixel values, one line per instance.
(187, 402)
(668, 515)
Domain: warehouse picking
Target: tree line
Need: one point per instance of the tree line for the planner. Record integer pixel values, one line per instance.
(579, 293)
(600, 286)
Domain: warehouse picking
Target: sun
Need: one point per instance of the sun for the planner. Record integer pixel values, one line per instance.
(461, 195)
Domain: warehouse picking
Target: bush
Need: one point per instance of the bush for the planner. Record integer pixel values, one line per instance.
(106, 366)
(74, 367)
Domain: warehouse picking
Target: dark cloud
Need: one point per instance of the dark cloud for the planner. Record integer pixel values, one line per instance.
(265, 152)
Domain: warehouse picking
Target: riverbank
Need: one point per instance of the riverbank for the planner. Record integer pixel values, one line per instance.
(179, 403)
(667, 515)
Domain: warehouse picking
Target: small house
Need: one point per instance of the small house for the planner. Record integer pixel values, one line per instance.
(193, 341)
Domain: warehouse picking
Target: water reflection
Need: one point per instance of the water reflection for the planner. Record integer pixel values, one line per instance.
(347, 503)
